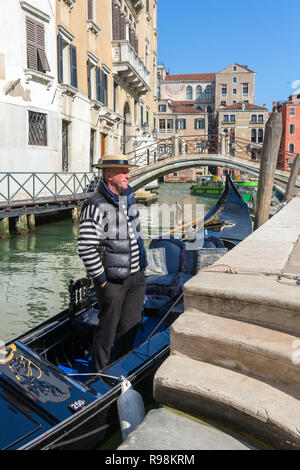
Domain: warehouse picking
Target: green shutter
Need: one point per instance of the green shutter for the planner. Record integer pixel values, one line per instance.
(60, 58)
(73, 64)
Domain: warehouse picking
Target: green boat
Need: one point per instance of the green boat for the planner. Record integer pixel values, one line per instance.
(215, 188)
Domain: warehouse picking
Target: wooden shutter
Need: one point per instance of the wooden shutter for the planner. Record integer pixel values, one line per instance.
(104, 87)
(122, 26)
(60, 58)
(31, 43)
(73, 65)
(90, 8)
(89, 79)
(98, 83)
(116, 13)
(36, 55)
(40, 35)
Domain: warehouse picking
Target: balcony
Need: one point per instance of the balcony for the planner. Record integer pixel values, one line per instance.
(130, 67)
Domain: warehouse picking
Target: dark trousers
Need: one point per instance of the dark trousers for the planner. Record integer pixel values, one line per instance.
(120, 311)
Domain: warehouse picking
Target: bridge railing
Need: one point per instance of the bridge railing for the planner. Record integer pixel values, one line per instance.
(16, 187)
(184, 145)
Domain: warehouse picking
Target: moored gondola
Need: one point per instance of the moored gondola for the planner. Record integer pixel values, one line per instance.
(50, 396)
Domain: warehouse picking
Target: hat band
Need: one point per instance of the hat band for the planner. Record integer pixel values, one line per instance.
(114, 162)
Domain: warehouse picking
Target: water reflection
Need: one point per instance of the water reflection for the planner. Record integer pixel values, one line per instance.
(35, 269)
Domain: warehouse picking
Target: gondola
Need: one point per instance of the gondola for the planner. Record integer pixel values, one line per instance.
(50, 398)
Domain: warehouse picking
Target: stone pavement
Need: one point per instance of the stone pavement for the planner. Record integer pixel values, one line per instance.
(235, 351)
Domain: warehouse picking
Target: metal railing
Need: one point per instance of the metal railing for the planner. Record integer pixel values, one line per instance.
(16, 187)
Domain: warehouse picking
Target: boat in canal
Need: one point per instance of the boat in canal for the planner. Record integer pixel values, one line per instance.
(50, 398)
(214, 188)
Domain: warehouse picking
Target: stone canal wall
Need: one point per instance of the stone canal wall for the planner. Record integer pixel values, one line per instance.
(235, 352)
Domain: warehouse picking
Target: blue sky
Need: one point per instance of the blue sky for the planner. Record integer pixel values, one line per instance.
(197, 36)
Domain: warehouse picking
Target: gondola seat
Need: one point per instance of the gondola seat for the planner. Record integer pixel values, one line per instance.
(181, 265)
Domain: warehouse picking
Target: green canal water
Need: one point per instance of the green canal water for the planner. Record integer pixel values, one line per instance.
(35, 269)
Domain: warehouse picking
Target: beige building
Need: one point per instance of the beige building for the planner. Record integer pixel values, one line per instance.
(107, 56)
(189, 122)
(234, 84)
(241, 127)
(225, 98)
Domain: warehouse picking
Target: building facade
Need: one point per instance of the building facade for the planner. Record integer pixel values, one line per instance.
(242, 130)
(224, 102)
(78, 81)
(29, 103)
(290, 141)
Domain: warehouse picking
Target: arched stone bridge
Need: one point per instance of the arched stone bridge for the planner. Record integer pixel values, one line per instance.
(144, 174)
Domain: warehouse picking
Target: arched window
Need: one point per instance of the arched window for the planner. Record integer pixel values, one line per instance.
(189, 93)
(260, 136)
(199, 92)
(208, 92)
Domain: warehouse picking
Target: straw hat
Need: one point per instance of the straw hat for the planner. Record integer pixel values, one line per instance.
(113, 161)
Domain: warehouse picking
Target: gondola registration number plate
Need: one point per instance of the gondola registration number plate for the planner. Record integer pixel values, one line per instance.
(77, 405)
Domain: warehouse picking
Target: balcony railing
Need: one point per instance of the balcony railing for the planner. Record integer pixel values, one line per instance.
(130, 67)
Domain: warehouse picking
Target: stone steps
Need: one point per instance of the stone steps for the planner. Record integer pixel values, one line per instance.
(257, 299)
(230, 397)
(240, 346)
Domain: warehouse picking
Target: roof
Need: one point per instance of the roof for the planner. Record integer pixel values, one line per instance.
(186, 109)
(196, 77)
(238, 107)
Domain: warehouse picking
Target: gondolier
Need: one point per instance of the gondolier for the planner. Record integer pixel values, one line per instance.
(112, 251)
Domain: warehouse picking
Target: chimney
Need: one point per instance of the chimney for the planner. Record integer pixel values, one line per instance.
(274, 105)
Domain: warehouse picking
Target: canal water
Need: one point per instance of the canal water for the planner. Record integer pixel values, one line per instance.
(35, 269)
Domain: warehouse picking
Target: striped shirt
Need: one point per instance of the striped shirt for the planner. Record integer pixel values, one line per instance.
(91, 232)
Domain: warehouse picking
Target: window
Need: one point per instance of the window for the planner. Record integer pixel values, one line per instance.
(223, 103)
(253, 135)
(292, 111)
(37, 128)
(180, 124)
(234, 80)
(253, 118)
(291, 148)
(189, 93)
(260, 136)
(199, 123)
(234, 91)
(199, 92)
(90, 10)
(36, 54)
(208, 92)
(229, 118)
(224, 90)
(234, 68)
(292, 129)
(245, 89)
(67, 62)
(170, 124)
(162, 124)
(260, 118)
(162, 108)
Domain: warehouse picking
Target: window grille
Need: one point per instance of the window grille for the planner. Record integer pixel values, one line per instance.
(37, 129)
